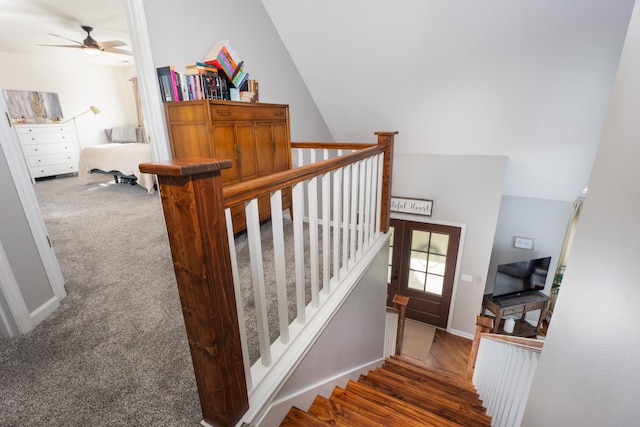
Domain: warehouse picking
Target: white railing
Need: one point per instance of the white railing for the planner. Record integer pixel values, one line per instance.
(340, 228)
(503, 375)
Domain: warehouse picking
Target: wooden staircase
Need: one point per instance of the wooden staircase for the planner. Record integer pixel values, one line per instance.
(402, 392)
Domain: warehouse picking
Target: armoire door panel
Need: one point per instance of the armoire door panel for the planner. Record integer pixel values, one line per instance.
(245, 140)
(224, 137)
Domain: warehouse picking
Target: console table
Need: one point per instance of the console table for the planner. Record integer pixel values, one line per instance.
(505, 306)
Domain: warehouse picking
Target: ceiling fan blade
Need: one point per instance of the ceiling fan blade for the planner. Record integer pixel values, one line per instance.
(63, 45)
(119, 51)
(64, 38)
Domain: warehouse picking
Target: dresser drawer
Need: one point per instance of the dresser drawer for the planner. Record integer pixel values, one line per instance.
(51, 170)
(46, 138)
(513, 310)
(52, 159)
(240, 112)
(535, 306)
(57, 148)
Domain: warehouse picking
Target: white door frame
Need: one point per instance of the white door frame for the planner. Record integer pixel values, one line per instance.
(155, 124)
(20, 175)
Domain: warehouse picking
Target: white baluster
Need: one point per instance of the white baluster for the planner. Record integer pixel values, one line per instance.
(298, 244)
(346, 209)
(257, 276)
(337, 209)
(313, 239)
(379, 192)
(280, 265)
(326, 230)
(239, 304)
(354, 213)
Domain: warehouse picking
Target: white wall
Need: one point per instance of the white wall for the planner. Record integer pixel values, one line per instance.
(247, 26)
(466, 192)
(545, 221)
(588, 371)
(351, 344)
(528, 79)
(78, 85)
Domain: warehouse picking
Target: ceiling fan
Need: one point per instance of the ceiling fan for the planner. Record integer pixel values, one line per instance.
(92, 47)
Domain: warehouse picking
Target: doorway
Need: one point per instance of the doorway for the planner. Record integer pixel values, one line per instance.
(422, 264)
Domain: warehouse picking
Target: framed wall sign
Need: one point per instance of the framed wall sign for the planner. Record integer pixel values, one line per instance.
(413, 206)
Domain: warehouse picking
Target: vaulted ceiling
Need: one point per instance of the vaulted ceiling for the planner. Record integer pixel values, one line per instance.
(529, 80)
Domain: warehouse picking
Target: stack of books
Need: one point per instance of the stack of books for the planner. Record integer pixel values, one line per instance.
(220, 76)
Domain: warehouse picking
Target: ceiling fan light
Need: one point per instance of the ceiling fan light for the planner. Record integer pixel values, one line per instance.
(91, 50)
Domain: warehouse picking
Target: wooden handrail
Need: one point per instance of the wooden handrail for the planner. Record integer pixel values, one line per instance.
(529, 343)
(251, 189)
(332, 145)
(241, 192)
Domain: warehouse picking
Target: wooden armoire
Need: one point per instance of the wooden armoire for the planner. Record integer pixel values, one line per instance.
(254, 136)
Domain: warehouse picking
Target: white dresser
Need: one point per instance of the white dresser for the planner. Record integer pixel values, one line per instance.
(48, 149)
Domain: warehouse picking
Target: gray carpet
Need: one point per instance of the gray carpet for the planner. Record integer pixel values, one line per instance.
(115, 353)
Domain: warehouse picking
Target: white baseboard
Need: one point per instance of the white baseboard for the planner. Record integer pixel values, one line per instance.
(460, 333)
(42, 312)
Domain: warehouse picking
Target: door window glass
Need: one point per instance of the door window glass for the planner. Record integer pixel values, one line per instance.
(428, 261)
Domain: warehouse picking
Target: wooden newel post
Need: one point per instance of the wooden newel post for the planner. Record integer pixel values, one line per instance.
(191, 193)
(483, 326)
(386, 139)
(400, 302)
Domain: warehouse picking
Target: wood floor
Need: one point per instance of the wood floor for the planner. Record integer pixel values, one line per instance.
(450, 352)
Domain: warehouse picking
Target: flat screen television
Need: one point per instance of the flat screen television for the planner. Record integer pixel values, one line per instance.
(521, 277)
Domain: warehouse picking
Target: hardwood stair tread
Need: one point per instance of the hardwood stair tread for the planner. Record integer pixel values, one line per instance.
(337, 414)
(378, 413)
(434, 380)
(296, 417)
(384, 400)
(421, 369)
(430, 400)
(436, 388)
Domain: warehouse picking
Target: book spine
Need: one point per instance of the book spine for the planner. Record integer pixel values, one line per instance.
(192, 90)
(164, 80)
(174, 85)
(226, 66)
(199, 87)
(232, 53)
(231, 61)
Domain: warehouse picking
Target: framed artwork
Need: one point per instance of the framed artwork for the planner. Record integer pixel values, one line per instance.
(33, 107)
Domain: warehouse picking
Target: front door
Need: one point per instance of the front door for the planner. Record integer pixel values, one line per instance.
(422, 264)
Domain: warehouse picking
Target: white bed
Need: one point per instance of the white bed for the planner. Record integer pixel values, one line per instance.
(120, 159)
